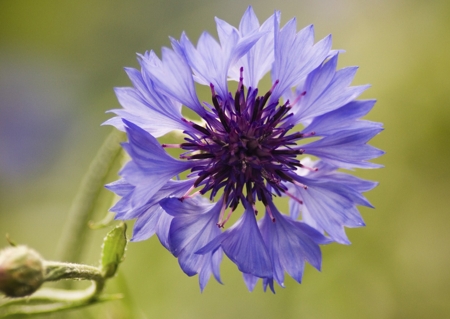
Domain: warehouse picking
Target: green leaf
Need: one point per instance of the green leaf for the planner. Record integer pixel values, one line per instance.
(113, 250)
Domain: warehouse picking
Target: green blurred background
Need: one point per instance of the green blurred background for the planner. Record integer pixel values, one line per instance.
(59, 62)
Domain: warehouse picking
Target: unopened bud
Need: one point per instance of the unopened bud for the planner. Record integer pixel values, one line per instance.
(21, 271)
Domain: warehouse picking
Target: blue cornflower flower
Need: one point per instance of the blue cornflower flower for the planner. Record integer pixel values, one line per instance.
(249, 147)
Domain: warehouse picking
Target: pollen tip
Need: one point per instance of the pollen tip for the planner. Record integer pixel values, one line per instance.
(274, 85)
(213, 91)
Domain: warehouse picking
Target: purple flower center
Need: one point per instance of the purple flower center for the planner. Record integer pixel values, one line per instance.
(244, 148)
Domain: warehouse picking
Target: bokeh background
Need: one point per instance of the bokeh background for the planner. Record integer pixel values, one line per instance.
(59, 62)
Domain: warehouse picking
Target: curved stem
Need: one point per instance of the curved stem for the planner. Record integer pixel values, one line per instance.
(73, 237)
(48, 300)
(57, 271)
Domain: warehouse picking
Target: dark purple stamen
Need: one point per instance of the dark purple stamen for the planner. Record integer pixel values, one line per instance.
(244, 148)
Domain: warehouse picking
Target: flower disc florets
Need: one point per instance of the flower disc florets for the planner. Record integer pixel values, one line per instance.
(247, 149)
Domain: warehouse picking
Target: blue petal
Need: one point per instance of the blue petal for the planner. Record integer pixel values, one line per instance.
(173, 76)
(249, 22)
(190, 206)
(234, 44)
(347, 149)
(250, 281)
(246, 43)
(146, 225)
(149, 170)
(212, 266)
(171, 188)
(290, 244)
(330, 173)
(308, 218)
(151, 167)
(296, 56)
(294, 209)
(259, 58)
(210, 61)
(243, 244)
(344, 118)
(151, 218)
(324, 90)
(121, 187)
(194, 225)
(330, 205)
(207, 61)
(151, 222)
(330, 200)
(162, 230)
(146, 107)
(268, 282)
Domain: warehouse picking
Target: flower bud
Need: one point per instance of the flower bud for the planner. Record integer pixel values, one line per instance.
(21, 271)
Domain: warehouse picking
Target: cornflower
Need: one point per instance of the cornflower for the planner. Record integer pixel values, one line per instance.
(248, 148)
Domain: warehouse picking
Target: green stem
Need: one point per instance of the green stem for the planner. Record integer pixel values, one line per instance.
(74, 233)
(57, 271)
(48, 300)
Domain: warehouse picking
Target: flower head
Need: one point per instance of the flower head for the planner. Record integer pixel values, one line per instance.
(250, 146)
